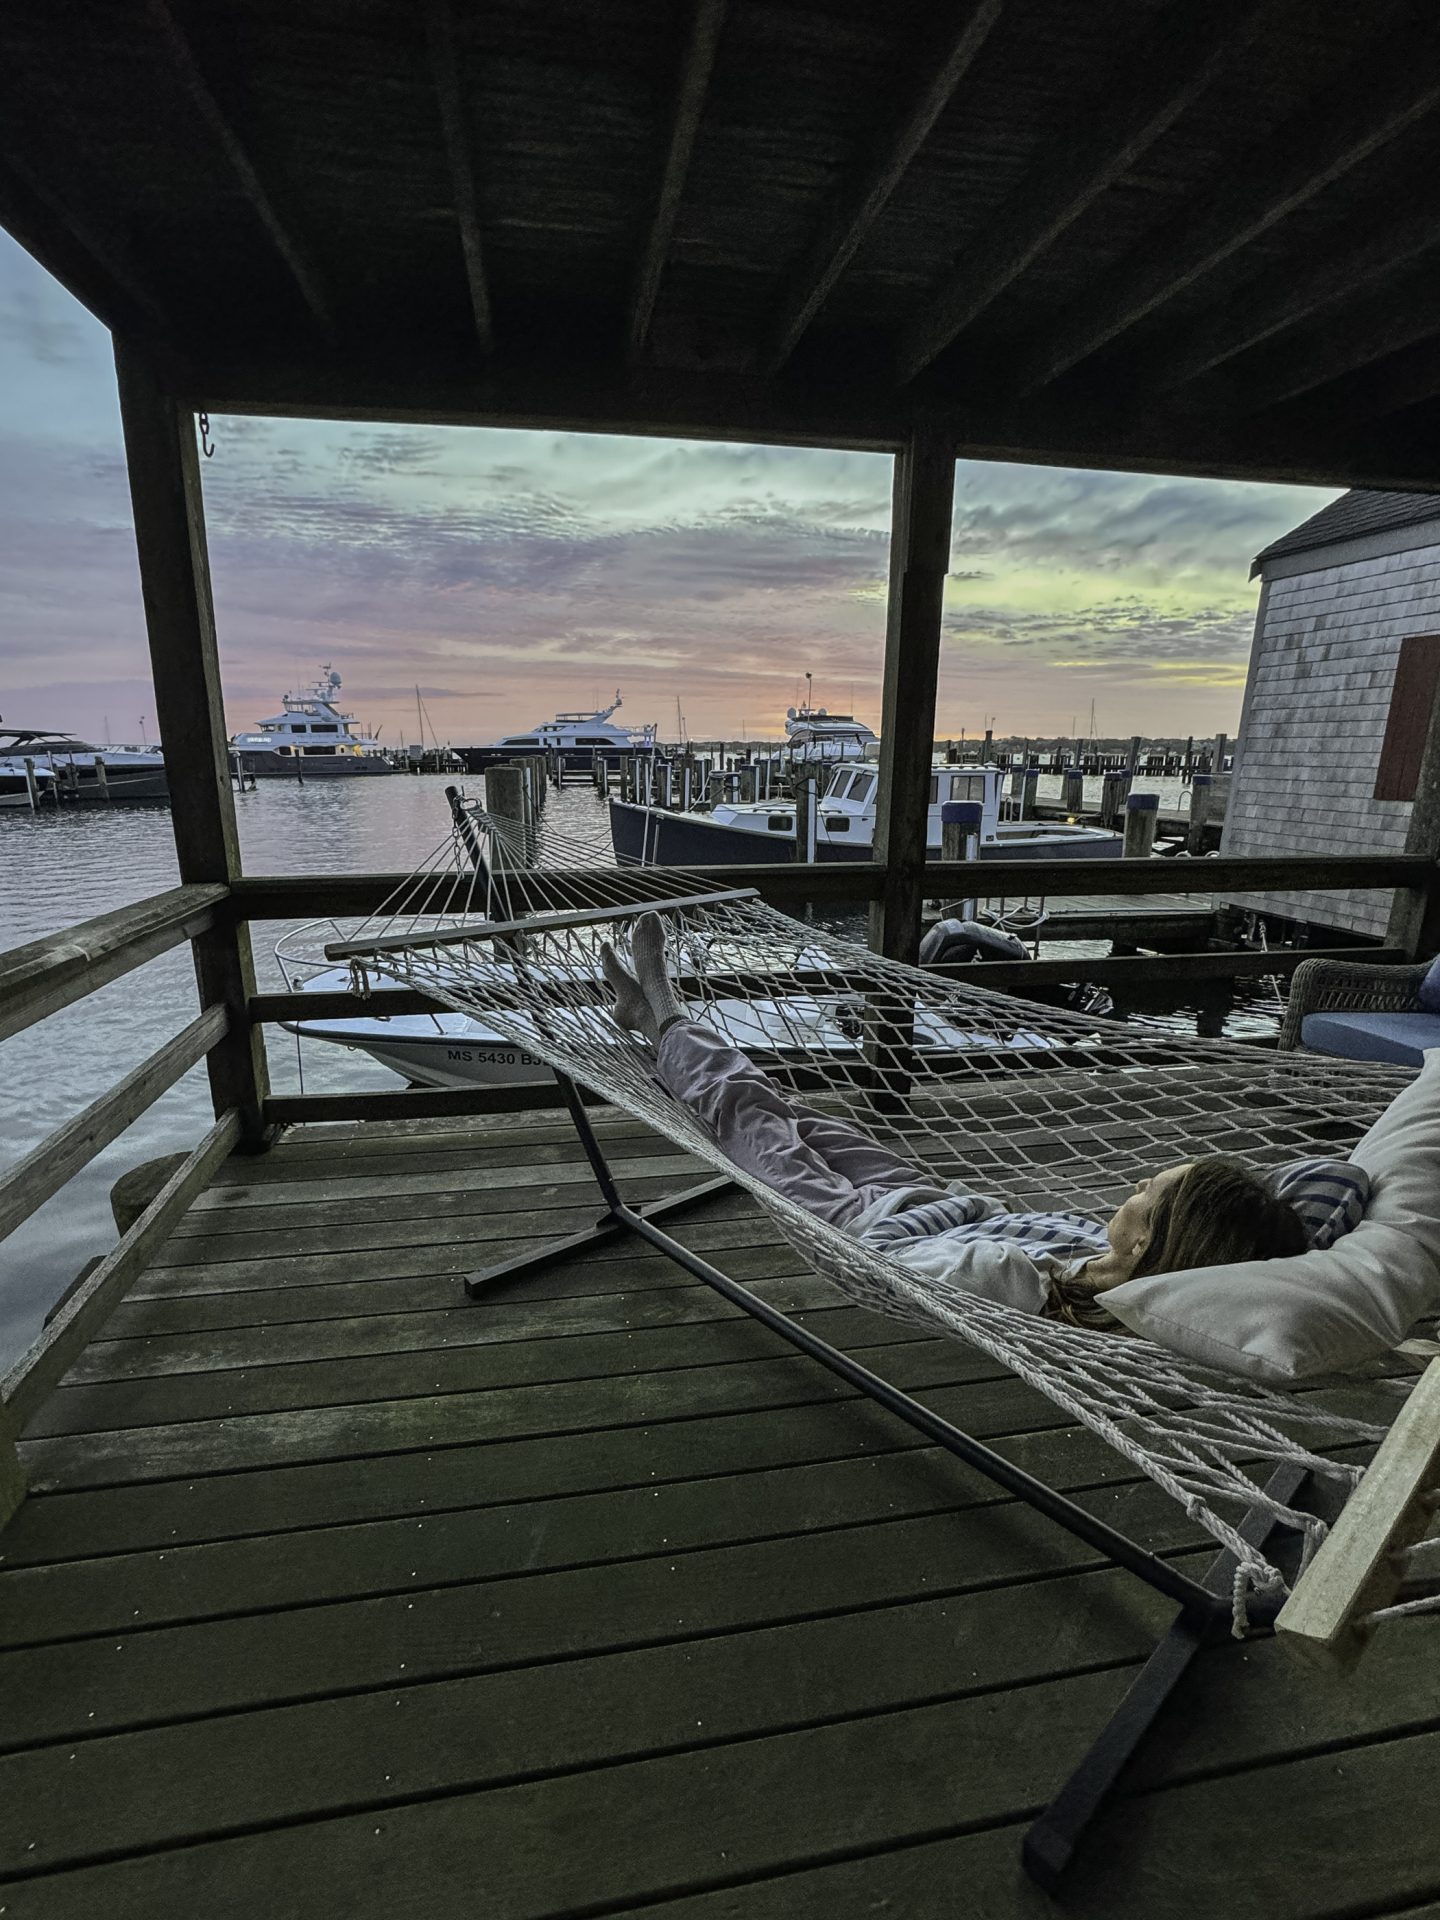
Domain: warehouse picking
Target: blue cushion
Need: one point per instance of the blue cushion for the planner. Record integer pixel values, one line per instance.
(1429, 994)
(1396, 1038)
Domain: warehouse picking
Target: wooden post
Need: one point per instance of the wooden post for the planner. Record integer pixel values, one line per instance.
(102, 779)
(1200, 787)
(1142, 816)
(169, 511)
(960, 824)
(923, 505)
(32, 785)
(807, 822)
(12, 1474)
(505, 802)
(1415, 912)
(1072, 790)
(1217, 753)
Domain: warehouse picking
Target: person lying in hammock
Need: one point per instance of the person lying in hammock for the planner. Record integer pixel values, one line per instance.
(1201, 1213)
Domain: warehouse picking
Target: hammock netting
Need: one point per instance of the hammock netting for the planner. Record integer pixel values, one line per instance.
(1047, 1109)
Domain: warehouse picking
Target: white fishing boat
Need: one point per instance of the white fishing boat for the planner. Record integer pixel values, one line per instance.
(743, 833)
(448, 1049)
(575, 737)
(310, 739)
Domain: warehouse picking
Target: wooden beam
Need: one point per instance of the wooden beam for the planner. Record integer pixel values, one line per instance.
(920, 521)
(40, 978)
(1171, 65)
(1355, 1569)
(71, 1328)
(282, 233)
(1369, 249)
(288, 896)
(1387, 322)
(91, 262)
(169, 514)
(1327, 139)
(31, 1181)
(857, 207)
(692, 83)
(1172, 970)
(460, 152)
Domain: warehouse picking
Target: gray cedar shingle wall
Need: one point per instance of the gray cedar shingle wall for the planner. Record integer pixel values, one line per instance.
(1316, 707)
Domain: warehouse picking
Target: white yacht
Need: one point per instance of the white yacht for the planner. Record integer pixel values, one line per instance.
(77, 771)
(15, 788)
(814, 737)
(574, 736)
(750, 833)
(310, 739)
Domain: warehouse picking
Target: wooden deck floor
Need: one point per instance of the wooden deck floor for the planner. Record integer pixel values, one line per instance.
(337, 1596)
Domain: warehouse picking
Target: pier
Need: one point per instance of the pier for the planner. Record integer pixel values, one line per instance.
(329, 1594)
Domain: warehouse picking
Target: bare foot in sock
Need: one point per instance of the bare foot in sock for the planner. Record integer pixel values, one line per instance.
(632, 1008)
(647, 950)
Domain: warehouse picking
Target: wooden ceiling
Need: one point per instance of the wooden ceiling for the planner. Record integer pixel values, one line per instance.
(1150, 233)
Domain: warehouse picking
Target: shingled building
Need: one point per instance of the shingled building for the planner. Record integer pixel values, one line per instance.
(1344, 674)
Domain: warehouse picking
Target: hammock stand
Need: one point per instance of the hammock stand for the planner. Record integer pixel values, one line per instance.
(1204, 1606)
(478, 955)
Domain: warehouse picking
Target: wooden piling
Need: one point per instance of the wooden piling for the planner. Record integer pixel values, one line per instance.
(1142, 816)
(1201, 786)
(1072, 790)
(807, 818)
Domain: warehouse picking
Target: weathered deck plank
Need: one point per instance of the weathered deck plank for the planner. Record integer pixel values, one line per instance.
(339, 1596)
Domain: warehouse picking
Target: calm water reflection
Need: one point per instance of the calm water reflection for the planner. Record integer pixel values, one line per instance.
(56, 871)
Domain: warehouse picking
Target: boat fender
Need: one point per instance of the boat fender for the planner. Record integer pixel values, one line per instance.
(950, 940)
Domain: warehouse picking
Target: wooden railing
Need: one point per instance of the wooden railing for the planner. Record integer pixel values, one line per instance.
(36, 981)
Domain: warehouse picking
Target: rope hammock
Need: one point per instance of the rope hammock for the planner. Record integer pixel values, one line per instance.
(1049, 1109)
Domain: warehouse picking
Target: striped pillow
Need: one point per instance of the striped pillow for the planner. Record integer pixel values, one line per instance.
(1328, 1195)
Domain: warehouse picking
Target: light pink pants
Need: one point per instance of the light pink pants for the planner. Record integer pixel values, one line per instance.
(824, 1165)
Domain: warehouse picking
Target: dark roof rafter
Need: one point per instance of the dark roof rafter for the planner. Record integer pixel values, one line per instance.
(94, 265)
(696, 65)
(459, 151)
(286, 242)
(1325, 140)
(1156, 80)
(858, 205)
(1369, 248)
(1390, 320)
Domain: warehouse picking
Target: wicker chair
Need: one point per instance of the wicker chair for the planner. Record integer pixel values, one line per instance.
(1359, 986)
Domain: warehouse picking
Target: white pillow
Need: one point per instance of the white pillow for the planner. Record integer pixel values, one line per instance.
(1322, 1311)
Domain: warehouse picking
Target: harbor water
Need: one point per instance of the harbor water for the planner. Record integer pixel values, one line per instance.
(57, 870)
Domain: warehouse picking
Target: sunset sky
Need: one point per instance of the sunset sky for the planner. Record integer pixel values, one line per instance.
(510, 574)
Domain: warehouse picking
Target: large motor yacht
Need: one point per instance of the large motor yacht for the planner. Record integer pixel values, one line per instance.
(575, 737)
(310, 739)
(814, 737)
(749, 833)
(76, 772)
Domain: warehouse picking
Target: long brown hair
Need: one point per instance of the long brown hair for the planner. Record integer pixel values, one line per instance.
(1218, 1212)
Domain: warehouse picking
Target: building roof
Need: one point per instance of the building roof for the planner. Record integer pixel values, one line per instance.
(1128, 234)
(1354, 514)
